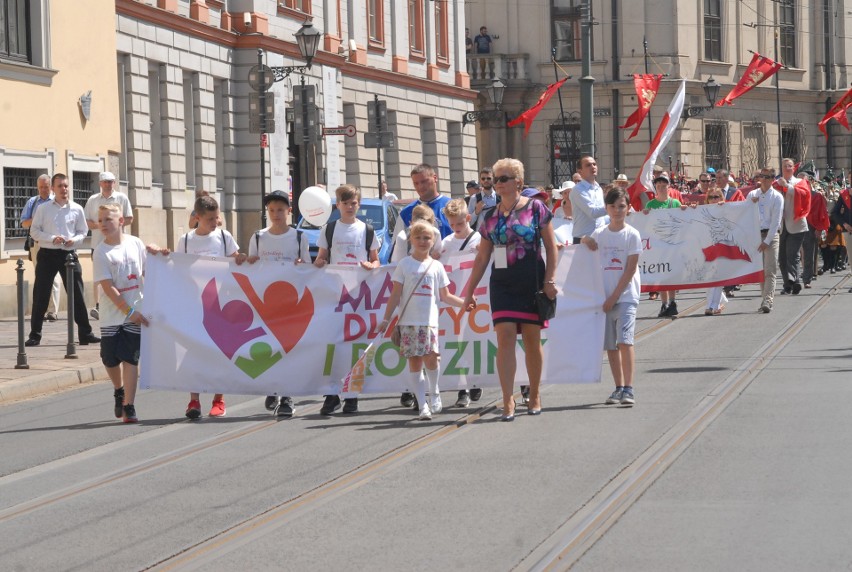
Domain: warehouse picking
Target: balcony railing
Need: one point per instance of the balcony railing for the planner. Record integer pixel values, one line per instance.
(485, 68)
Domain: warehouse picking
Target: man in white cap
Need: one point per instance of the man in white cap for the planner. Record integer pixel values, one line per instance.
(108, 195)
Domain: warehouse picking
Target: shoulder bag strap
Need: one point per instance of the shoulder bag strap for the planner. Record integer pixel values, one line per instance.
(407, 300)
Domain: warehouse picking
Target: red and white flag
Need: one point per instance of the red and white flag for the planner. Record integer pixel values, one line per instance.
(838, 112)
(667, 127)
(759, 70)
(647, 86)
(528, 116)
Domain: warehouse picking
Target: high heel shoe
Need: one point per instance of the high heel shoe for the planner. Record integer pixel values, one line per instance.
(508, 416)
(534, 410)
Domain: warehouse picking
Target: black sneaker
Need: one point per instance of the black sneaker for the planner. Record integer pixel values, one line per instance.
(406, 399)
(90, 339)
(350, 405)
(271, 402)
(663, 309)
(671, 310)
(32, 342)
(118, 394)
(285, 408)
(463, 399)
(475, 394)
(796, 288)
(130, 414)
(330, 405)
(525, 394)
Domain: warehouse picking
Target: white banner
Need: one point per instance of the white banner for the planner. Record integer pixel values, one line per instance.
(707, 246)
(296, 330)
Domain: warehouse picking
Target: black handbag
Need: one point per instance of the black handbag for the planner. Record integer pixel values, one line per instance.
(545, 307)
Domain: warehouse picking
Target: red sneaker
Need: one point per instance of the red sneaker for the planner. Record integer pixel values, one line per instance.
(218, 408)
(193, 410)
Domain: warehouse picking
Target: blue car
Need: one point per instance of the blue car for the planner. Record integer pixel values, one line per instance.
(381, 215)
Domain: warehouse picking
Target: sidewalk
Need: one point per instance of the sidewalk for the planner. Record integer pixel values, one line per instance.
(49, 370)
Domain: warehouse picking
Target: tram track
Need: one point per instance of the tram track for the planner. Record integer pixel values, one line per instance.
(562, 549)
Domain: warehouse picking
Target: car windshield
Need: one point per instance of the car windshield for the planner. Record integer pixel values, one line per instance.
(370, 214)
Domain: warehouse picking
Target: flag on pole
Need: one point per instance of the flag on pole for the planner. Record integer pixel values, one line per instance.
(838, 112)
(354, 380)
(528, 116)
(759, 70)
(647, 86)
(667, 127)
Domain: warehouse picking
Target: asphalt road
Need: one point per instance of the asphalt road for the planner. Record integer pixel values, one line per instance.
(734, 458)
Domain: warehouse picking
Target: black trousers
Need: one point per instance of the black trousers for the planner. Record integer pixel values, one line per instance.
(48, 262)
(789, 257)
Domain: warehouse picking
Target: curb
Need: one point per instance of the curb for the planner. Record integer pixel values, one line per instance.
(50, 381)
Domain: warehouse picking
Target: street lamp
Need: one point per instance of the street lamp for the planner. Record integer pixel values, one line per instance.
(495, 94)
(308, 39)
(711, 92)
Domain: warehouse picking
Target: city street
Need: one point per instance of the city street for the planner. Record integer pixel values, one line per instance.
(732, 459)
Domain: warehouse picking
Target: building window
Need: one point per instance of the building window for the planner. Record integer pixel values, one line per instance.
(415, 26)
(303, 6)
(83, 185)
(787, 39)
(18, 186)
(375, 22)
(190, 121)
(754, 148)
(713, 30)
(15, 30)
(792, 142)
(564, 150)
(716, 145)
(442, 40)
(566, 16)
(219, 100)
(156, 123)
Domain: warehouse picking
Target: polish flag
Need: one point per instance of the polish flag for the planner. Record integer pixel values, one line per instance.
(667, 127)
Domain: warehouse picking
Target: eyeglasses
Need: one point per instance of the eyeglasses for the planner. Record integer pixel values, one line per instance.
(714, 196)
(766, 176)
(503, 179)
(484, 178)
(703, 180)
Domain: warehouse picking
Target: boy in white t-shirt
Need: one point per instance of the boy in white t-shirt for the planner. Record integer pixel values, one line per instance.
(620, 246)
(119, 264)
(352, 242)
(280, 243)
(463, 240)
(207, 239)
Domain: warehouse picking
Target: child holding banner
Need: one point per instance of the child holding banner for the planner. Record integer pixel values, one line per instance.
(423, 281)
(463, 240)
(620, 246)
(662, 200)
(279, 243)
(119, 263)
(207, 239)
(347, 241)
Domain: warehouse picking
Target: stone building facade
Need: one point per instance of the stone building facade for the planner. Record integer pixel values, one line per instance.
(685, 39)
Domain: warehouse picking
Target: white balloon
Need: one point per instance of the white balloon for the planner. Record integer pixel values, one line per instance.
(315, 205)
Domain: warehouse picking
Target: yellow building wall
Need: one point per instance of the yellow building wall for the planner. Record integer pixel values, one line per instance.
(35, 118)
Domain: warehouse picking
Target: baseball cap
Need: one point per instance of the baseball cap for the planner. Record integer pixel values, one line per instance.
(106, 176)
(534, 193)
(276, 196)
(663, 177)
(711, 170)
(472, 185)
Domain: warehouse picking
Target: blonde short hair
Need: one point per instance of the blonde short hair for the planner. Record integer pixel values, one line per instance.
(419, 227)
(113, 208)
(423, 212)
(454, 208)
(512, 165)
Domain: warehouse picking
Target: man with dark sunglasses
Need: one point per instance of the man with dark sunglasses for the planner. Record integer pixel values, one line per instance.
(484, 199)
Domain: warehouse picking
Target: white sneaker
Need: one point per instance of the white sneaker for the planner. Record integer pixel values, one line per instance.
(425, 412)
(94, 313)
(435, 403)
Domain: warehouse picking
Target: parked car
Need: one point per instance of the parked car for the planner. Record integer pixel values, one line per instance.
(381, 215)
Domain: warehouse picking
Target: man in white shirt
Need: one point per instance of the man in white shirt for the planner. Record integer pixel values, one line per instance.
(59, 227)
(770, 206)
(587, 200)
(108, 195)
(793, 231)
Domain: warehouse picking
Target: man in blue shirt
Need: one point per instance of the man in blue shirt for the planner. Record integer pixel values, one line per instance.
(587, 200)
(44, 196)
(482, 42)
(425, 181)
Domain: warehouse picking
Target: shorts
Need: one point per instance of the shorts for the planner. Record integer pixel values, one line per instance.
(123, 346)
(418, 341)
(619, 325)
